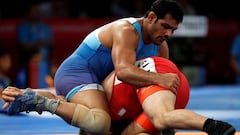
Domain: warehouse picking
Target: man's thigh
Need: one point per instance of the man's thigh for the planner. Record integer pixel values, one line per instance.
(162, 101)
(134, 129)
(91, 99)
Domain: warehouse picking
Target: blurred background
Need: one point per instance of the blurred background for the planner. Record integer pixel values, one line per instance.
(201, 46)
(37, 35)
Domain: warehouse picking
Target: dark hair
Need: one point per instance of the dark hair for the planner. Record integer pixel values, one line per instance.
(163, 7)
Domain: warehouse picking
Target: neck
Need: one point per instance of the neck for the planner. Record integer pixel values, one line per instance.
(143, 25)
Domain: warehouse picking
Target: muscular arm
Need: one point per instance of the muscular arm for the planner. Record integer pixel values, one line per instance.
(125, 41)
(164, 51)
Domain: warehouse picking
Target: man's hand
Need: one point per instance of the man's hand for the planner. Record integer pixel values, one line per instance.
(168, 80)
(9, 94)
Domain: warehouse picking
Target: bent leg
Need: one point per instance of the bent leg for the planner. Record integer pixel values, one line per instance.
(90, 111)
(81, 111)
(140, 126)
(163, 116)
(84, 112)
(49, 94)
(135, 129)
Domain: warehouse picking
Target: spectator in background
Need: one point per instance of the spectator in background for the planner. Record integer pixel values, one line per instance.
(26, 77)
(34, 34)
(139, 8)
(5, 65)
(187, 7)
(60, 8)
(118, 10)
(54, 9)
(235, 57)
(50, 78)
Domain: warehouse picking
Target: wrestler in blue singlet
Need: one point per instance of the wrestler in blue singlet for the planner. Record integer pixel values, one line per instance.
(91, 62)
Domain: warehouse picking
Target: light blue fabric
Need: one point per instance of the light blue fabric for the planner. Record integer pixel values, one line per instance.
(91, 62)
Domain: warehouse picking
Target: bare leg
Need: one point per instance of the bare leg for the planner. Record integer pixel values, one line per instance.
(49, 94)
(164, 116)
(134, 129)
(66, 109)
(82, 111)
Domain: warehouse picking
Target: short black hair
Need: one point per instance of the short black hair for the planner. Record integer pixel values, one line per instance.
(163, 7)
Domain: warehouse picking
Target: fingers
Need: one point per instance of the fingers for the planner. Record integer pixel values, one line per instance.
(10, 93)
(8, 98)
(10, 88)
(6, 105)
(177, 82)
(175, 85)
(174, 90)
(171, 81)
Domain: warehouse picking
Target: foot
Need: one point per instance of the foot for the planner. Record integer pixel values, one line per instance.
(223, 128)
(29, 101)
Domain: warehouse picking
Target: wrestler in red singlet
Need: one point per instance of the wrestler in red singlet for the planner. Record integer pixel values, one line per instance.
(124, 102)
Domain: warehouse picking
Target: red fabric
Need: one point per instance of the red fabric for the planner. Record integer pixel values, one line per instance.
(124, 104)
(125, 96)
(145, 123)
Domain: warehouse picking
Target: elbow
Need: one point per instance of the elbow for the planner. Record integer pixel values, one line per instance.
(120, 74)
(124, 72)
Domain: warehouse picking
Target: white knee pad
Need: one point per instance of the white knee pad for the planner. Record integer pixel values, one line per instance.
(91, 120)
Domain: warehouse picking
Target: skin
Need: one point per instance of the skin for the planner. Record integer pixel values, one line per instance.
(163, 115)
(124, 56)
(5, 64)
(116, 36)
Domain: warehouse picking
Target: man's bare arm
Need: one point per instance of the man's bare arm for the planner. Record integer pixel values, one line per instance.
(125, 43)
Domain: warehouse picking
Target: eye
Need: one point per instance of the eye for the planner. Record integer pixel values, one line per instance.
(166, 26)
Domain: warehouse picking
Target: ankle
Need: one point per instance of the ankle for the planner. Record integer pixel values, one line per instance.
(51, 105)
(209, 125)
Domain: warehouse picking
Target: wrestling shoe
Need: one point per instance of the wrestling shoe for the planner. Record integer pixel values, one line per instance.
(222, 128)
(168, 132)
(28, 101)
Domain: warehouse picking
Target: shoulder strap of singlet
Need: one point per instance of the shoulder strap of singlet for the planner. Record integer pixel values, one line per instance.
(137, 26)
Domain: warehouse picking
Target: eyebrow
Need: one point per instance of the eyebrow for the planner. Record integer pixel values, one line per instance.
(166, 25)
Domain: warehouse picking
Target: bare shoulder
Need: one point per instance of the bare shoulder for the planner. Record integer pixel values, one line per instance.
(123, 25)
(119, 32)
(124, 30)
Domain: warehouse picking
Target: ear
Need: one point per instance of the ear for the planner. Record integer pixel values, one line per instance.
(151, 17)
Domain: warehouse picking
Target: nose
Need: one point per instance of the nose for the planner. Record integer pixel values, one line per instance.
(168, 33)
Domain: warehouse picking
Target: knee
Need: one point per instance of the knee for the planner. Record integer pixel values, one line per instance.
(98, 120)
(160, 121)
(94, 120)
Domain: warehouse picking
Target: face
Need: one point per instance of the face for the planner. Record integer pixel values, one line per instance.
(161, 29)
(34, 13)
(36, 58)
(5, 63)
